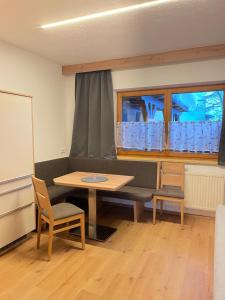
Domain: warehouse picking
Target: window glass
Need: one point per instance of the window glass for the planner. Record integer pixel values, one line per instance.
(143, 108)
(196, 120)
(142, 126)
(197, 106)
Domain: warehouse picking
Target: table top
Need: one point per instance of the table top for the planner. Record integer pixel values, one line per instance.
(114, 182)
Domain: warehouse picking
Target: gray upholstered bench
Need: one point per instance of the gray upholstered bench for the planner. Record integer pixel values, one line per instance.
(139, 190)
(47, 170)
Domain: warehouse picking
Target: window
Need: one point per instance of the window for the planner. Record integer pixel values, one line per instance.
(170, 122)
(142, 126)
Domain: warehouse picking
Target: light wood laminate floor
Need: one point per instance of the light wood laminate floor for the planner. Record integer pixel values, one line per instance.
(140, 261)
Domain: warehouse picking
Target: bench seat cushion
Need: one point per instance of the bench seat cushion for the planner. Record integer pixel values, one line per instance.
(55, 192)
(170, 192)
(64, 210)
(130, 193)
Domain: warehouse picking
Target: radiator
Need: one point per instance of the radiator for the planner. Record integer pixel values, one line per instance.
(204, 191)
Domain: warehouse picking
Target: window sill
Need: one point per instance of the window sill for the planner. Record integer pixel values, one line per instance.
(196, 161)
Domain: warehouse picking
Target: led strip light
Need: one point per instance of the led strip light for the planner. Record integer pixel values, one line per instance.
(107, 13)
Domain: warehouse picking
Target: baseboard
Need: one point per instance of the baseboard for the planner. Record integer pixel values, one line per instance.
(200, 212)
(14, 244)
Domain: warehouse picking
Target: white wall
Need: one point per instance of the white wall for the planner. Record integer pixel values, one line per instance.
(24, 72)
(170, 75)
(53, 94)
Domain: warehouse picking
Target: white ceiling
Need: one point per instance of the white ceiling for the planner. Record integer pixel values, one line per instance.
(176, 25)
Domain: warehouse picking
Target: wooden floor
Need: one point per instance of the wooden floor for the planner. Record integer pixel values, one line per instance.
(140, 262)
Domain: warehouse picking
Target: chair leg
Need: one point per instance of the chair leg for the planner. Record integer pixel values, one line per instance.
(50, 238)
(161, 207)
(154, 209)
(82, 229)
(39, 229)
(182, 213)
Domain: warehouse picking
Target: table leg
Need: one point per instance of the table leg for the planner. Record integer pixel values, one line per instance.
(92, 213)
(94, 231)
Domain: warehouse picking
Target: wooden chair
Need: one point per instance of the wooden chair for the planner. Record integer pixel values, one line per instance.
(62, 215)
(171, 187)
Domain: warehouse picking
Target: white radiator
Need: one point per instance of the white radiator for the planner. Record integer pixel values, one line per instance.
(204, 191)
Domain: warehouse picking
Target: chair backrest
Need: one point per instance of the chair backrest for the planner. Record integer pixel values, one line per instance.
(172, 174)
(42, 196)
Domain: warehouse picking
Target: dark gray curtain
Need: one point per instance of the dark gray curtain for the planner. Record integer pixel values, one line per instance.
(93, 131)
(221, 156)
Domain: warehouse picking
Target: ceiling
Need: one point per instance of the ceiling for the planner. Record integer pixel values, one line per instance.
(177, 25)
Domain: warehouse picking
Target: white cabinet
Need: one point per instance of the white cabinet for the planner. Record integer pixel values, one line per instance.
(17, 209)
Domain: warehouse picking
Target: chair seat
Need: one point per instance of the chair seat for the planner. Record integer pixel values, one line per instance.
(170, 192)
(64, 210)
(130, 193)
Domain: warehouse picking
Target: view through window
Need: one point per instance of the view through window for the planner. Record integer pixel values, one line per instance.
(142, 125)
(185, 120)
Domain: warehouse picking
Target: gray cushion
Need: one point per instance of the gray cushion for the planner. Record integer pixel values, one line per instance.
(47, 170)
(145, 173)
(89, 165)
(64, 210)
(58, 191)
(130, 193)
(170, 191)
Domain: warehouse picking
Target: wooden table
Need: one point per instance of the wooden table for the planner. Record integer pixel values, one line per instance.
(114, 183)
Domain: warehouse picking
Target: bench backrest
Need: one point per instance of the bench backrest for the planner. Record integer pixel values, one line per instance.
(145, 173)
(47, 170)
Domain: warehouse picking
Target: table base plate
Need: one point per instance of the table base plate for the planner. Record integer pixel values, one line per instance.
(102, 232)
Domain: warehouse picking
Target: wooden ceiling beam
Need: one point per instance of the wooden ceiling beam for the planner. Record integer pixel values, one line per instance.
(170, 57)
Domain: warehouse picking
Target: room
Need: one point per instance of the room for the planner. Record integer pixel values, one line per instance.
(112, 129)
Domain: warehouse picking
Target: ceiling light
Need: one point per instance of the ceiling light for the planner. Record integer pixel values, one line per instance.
(106, 13)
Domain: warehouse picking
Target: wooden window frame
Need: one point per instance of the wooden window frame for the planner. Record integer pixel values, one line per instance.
(167, 116)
